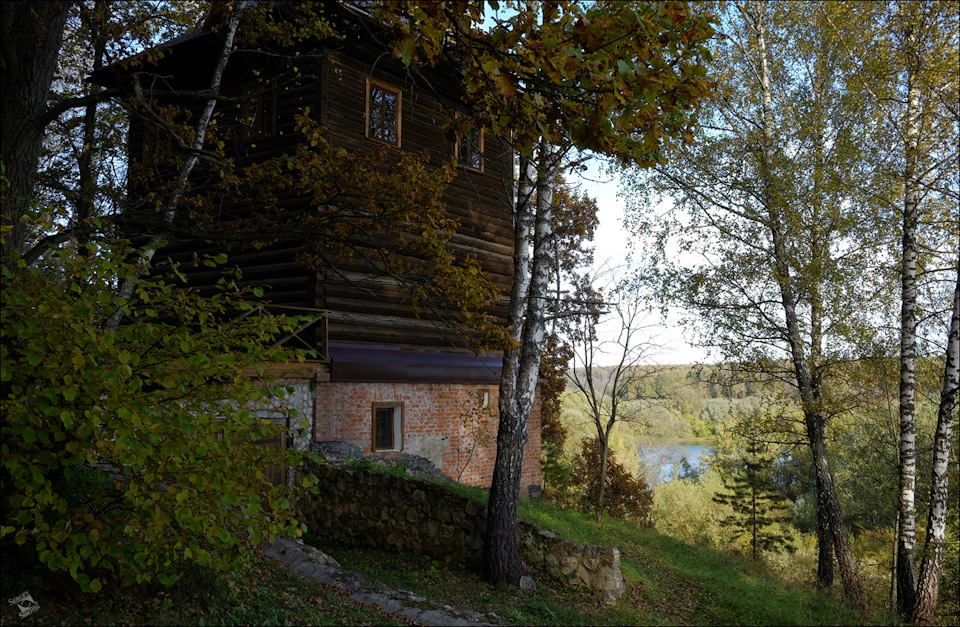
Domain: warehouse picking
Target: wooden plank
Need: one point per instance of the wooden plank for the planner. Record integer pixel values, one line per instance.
(305, 370)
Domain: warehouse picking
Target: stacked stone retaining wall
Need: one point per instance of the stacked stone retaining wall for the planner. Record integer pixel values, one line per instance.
(367, 508)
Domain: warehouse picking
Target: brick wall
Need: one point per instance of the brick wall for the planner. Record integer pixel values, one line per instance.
(433, 424)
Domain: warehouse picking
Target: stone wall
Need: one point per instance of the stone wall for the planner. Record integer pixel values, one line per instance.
(366, 508)
(592, 568)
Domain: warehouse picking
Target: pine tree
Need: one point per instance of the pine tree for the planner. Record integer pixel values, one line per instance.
(757, 508)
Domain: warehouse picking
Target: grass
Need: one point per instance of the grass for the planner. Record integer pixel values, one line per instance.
(669, 583)
(262, 593)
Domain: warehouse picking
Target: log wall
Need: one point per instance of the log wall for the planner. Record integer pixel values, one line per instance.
(365, 308)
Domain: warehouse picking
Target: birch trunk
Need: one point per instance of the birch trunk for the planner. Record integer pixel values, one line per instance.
(824, 528)
(533, 260)
(200, 131)
(827, 501)
(907, 539)
(924, 606)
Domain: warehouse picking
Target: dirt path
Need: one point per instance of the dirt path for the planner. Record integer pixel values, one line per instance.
(314, 564)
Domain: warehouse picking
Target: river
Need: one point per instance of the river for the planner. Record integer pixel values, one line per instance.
(659, 458)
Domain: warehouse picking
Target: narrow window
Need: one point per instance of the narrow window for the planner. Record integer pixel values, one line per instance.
(383, 113)
(150, 146)
(469, 149)
(387, 427)
(258, 113)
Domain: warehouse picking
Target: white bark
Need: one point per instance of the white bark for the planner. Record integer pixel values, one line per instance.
(907, 539)
(533, 261)
(928, 585)
(200, 130)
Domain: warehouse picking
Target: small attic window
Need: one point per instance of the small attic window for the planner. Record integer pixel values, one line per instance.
(383, 112)
(258, 113)
(469, 149)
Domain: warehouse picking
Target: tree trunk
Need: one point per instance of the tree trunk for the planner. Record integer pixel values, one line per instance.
(85, 203)
(824, 530)
(827, 500)
(829, 503)
(533, 239)
(30, 37)
(824, 543)
(604, 453)
(924, 605)
(907, 540)
(500, 552)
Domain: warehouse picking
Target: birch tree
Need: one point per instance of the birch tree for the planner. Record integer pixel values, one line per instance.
(616, 78)
(770, 235)
(911, 53)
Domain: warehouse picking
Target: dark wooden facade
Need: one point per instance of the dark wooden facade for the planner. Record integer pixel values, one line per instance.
(365, 307)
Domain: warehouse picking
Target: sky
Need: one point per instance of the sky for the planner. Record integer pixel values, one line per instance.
(612, 245)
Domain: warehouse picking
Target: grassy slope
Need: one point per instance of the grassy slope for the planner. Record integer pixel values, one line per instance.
(677, 583)
(263, 593)
(670, 583)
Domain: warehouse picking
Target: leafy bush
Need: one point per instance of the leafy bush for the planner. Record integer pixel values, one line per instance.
(686, 510)
(127, 450)
(627, 496)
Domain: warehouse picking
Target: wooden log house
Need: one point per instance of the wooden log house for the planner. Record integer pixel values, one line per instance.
(386, 378)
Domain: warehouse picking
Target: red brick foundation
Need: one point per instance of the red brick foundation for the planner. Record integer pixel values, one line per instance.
(437, 419)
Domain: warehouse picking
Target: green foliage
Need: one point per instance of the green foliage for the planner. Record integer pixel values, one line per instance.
(686, 510)
(758, 511)
(556, 471)
(553, 431)
(617, 78)
(627, 496)
(370, 464)
(128, 451)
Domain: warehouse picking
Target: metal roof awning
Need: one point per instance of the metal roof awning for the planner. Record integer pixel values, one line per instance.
(351, 362)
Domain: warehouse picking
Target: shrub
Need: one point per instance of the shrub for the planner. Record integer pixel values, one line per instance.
(127, 450)
(686, 510)
(627, 497)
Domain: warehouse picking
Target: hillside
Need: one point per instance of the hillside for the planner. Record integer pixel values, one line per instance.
(670, 582)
